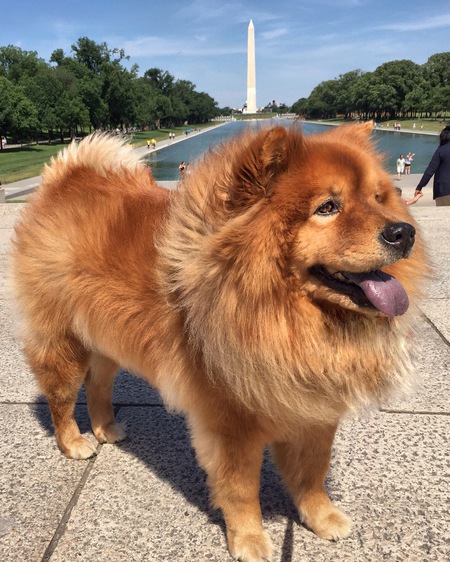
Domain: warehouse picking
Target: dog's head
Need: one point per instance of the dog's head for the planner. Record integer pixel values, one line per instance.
(323, 210)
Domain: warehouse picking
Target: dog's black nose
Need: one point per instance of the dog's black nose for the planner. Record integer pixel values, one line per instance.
(399, 236)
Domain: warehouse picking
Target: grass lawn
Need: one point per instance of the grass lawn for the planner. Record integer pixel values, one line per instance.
(27, 161)
(139, 138)
(429, 125)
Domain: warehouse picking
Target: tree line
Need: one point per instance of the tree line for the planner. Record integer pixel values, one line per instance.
(90, 89)
(394, 90)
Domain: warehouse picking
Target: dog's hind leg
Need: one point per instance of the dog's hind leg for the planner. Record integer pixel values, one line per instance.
(60, 367)
(304, 464)
(99, 386)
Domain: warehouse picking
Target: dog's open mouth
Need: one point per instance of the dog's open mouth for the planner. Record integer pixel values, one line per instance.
(375, 289)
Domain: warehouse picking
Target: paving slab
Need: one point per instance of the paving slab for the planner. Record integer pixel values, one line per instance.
(36, 482)
(430, 385)
(438, 312)
(9, 213)
(17, 384)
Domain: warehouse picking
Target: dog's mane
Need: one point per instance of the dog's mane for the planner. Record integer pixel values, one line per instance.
(257, 334)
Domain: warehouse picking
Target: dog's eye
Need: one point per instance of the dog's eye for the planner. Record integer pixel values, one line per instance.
(327, 208)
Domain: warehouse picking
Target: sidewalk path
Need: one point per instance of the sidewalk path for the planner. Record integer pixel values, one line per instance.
(145, 500)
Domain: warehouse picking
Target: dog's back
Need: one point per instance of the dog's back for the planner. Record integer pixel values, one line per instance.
(93, 196)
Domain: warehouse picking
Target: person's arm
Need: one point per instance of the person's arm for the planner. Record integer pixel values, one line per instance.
(430, 171)
(417, 196)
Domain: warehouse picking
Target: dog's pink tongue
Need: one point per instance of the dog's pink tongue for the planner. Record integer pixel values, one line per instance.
(383, 291)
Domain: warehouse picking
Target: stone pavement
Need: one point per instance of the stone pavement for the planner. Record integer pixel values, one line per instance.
(146, 500)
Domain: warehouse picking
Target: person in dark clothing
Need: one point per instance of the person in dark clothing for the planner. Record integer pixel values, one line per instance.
(439, 166)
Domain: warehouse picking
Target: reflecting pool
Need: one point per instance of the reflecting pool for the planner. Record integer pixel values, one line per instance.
(164, 163)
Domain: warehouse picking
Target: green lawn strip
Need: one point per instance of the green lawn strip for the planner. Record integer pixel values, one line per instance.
(26, 161)
(139, 138)
(429, 125)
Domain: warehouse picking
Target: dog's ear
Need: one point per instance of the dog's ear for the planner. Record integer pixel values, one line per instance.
(260, 160)
(363, 131)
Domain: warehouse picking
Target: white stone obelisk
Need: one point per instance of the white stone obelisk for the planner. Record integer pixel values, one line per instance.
(251, 72)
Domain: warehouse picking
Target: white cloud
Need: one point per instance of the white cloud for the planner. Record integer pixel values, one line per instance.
(268, 35)
(435, 22)
(207, 10)
(153, 46)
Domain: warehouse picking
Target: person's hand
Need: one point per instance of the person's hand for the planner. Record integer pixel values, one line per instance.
(418, 193)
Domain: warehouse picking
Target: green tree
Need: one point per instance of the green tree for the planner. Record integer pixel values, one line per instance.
(402, 76)
(18, 115)
(418, 100)
(202, 107)
(344, 100)
(145, 104)
(91, 54)
(323, 100)
(118, 93)
(71, 114)
(15, 63)
(90, 92)
(299, 107)
(361, 101)
(89, 86)
(164, 110)
(182, 97)
(44, 89)
(110, 96)
(161, 80)
(440, 99)
(437, 69)
(92, 88)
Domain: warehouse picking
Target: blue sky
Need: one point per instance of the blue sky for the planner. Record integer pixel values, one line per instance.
(299, 43)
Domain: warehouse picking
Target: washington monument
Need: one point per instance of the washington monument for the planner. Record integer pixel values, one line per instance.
(251, 74)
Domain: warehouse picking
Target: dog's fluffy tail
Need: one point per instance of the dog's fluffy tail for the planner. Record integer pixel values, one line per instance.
(101, 153)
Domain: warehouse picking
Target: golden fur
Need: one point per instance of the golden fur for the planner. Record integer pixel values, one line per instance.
(209, 293)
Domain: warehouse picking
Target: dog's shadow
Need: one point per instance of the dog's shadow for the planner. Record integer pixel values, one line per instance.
(161, 440)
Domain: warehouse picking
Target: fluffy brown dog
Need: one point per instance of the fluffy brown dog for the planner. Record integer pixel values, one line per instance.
(264, 299)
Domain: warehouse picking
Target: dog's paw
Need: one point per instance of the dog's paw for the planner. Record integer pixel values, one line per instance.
(111, 433)
(79, 448)
(251, 547)
(331, 524)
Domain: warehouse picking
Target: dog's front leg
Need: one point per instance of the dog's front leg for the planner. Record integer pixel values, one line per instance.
(231, 454)
(303, 463)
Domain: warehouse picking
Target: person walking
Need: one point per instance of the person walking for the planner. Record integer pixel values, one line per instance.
(400, 166)
(439, 167)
